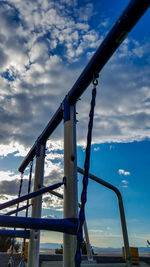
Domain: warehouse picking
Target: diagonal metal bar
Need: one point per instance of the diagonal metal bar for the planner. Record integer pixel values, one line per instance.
(130, 16)
(54, 193)
(29, 196)
(17, 210)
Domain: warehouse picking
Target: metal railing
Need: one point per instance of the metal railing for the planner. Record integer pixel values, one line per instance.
(121, 210)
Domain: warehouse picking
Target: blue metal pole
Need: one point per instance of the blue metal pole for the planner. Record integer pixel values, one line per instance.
(59, 225)
(15, 233)
(31, 195)
(133, 12)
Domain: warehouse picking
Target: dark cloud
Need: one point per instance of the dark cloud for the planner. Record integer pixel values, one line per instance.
(2, 38)
(3, 197)
(54, 176)
(9, 14)
(48, 200)
(3, 58)
(12, 187)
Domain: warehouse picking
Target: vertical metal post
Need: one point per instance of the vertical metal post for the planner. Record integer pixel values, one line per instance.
(70, 189)
(34, 245)
(88, 245)
(124, 231)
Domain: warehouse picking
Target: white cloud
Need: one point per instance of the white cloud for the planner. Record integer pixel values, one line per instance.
(125, 182)
(124, 186)
(52, 202)
(49, 217)
(8, 176)
(32, 60)
(105, 22)
(123, 172)
(13, 148)
(96, 148)
(54, 145)
(95, 231)
(53, 170)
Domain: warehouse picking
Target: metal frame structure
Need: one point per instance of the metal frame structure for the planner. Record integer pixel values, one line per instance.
(29, 196)
(66, 110)
(121, 210)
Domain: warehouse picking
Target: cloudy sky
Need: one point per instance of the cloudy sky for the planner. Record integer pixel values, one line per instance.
(44, 45)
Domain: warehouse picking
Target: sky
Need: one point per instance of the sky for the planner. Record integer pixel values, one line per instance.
(44, 46)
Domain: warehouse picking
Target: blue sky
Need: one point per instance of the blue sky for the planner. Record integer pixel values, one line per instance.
(44, 45)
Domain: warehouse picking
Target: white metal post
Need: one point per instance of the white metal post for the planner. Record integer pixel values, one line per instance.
(70, 189)
(88, 245)
(34, 245)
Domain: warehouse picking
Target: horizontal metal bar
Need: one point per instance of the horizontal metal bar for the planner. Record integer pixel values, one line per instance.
(68, 226)
(29, 196)
(15, 233)
(130, 16)
(18, 210)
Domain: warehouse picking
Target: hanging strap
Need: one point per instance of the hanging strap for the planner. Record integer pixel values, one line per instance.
(29, 189)
(85, 177)
(29, 186)
(19, 194)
